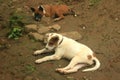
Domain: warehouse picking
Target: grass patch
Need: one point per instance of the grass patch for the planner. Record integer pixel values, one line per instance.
(16, 20)
(16, 26)
(15, 33)
(94, 2)
(1, 1)
(30, 68)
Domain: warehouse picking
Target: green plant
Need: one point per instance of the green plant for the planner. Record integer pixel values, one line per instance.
(15, 33)
(16, 26)
(30, 68)
(93, 2)
(1, 1)
(16, 20)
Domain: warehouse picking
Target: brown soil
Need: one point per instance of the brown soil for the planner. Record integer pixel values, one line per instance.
(99, 24)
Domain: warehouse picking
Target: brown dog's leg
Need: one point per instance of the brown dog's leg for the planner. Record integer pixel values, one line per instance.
(59, 18)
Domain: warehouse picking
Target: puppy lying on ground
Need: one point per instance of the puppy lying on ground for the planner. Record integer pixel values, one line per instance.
(64, 47)
(54, 11)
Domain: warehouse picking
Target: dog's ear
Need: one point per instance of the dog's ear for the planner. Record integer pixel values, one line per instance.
(40, 8)
(53, 41)
(32, 9)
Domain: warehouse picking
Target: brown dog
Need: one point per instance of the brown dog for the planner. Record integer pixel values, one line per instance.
(54, 11)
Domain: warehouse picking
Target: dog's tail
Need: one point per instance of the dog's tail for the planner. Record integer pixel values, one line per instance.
(97, 65)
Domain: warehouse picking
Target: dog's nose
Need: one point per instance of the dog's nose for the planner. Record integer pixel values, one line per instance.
(36, 19)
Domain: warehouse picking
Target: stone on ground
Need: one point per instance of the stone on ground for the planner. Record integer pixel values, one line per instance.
(43, 30)
(31, 28)
(55, 27)
(36, 36)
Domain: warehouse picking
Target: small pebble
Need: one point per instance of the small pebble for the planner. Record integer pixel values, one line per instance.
(116, 19)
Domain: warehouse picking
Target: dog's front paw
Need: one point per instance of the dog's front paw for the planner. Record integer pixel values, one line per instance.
(38, 61)
(56, 19)
(37, 52)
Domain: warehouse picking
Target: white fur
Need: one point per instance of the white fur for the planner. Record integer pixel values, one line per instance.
(72, 50)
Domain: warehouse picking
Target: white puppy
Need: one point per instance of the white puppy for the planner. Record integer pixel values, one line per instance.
(64, 47)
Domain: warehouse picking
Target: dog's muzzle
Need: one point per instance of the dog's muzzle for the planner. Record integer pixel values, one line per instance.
(37, 17)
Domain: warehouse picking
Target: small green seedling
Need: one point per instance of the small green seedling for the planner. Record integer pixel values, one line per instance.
(16, 26)
(15, 33)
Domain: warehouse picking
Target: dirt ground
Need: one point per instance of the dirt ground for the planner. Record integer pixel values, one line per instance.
(99, 25)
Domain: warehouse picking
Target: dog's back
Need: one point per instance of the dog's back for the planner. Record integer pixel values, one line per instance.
(72, 47)
(59, 10)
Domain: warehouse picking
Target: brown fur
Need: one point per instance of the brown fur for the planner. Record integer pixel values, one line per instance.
(89, 57)
(37, 11)
(55, 10)
(53, 41)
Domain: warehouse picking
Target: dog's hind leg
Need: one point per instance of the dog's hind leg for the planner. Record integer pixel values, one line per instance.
(74, 69)
(59, 18)
(76, 60)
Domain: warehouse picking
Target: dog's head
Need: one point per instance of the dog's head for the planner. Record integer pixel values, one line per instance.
(52, 40)
(38, 12)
